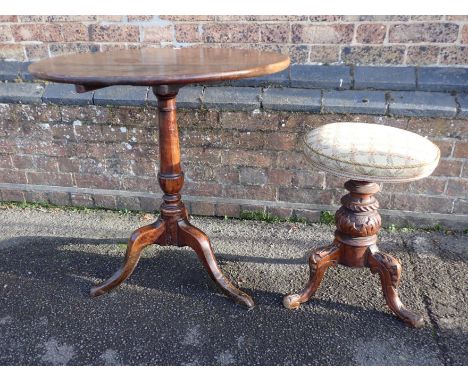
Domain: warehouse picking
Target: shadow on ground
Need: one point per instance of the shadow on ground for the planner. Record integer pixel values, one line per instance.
(169, 313)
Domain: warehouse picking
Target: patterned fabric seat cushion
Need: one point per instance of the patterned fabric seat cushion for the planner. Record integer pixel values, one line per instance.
(371, 152)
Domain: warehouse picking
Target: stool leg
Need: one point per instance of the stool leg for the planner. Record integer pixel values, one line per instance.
(319, 261)
(389, 269)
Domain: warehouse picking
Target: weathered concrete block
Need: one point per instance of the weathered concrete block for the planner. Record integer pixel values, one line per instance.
(462, 100)
(443, 79)
(189, 97)
(422, 104)
(232, 98)
(321, 77)
(124, 95)
(9, 70)
(288, 99)
(385, 78)
(354, 101)
(65, 94)
(21, 92)
(275, 80)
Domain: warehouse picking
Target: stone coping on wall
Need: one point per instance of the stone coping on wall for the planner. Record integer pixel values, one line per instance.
(392, 91)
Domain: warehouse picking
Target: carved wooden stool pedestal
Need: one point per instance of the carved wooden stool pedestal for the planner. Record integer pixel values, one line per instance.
(367, 153)
(358, 222)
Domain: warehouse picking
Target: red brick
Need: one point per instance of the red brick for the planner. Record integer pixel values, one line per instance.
(189, 18)
(457, 187)
(74, 47)
(13, 195)
(275, 33)
(49, 178)
(252, 176)
(447, 167)
(309, 179)
(226, 175)
(309, 196)
(324, 54)
(143, 184)
(279, 177)
(423, 32)
(8, 19)
(5, 33)
(72, 32)
(12, 176)
(31, 18)
(249, 121)
(97, 181)
(422, 55)
(291, 160)
(202, 208)
(68, 18)
(22, 162)
(250, 192)
(12, 52)
(229, 210)
(111, 18)
(36, 51)
(202, 189)
(461, 150)
(81, 200)
(36, 197)
(454, 55)
(247, 158)
(59, 198)
(158, 34)
(370, 33)
(68, 164)
(428, 186)
(111, 33)
(139, 17)
(373, 55)
(280, 212)
(421, 203)
(280, 141)
(309, 215)
(105, 201)
(37, 32)
(322, 34)
(131, 203)
(187, 33)
(232, 33)
(5, 161)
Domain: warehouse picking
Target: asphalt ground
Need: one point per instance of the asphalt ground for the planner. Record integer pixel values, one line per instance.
(169, 312)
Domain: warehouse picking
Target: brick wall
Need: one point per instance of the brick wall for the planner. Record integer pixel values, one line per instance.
(367, 40)
(233, 161)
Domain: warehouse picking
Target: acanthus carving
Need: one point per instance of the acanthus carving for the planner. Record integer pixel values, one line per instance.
(353, 224)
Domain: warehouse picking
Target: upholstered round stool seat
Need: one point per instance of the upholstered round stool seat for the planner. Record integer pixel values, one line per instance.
(371, 152)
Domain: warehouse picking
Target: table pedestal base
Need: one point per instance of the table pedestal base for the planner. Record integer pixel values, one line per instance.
(172, 227)
(358, 223)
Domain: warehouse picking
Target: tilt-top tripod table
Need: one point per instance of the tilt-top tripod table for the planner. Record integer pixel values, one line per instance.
(166, 70)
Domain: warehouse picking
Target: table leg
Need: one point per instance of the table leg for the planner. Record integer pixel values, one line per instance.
(172, 227)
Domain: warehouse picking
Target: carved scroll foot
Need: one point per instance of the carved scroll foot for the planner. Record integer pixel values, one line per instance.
(199, 242)
(389, 269)
(140, 238)
(319, 261)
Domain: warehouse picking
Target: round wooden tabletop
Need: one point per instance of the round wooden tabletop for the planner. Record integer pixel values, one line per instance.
(158, 66)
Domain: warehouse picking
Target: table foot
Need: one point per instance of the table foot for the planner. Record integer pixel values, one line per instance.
(319, 261)
(193, 237)
(389, 269)
(140, 238)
